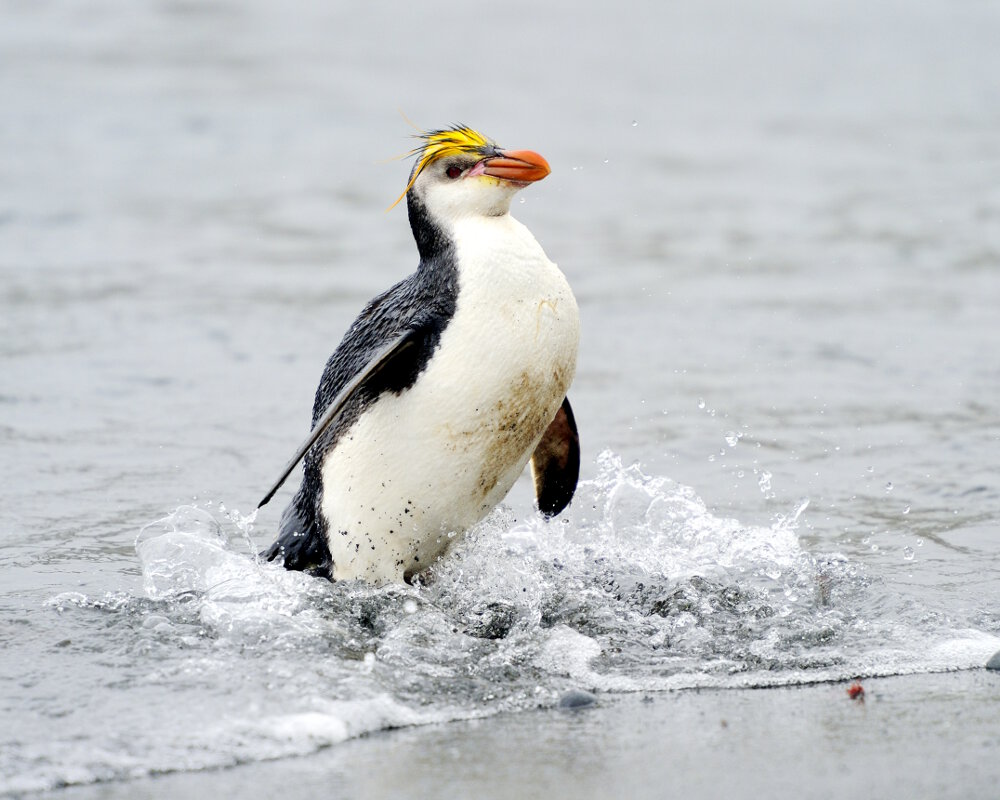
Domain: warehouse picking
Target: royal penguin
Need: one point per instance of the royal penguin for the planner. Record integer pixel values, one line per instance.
(445, 386)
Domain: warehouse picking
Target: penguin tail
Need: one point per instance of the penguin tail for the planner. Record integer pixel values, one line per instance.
(300, 544)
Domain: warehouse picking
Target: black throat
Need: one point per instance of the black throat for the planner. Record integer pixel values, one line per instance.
(433, 243)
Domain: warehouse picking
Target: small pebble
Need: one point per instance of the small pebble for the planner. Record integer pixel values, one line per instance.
(577, 698)
(994, 662)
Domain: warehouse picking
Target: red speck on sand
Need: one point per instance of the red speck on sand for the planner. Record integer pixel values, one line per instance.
(856, 691)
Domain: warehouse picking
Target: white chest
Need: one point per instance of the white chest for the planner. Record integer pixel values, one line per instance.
(419, 467)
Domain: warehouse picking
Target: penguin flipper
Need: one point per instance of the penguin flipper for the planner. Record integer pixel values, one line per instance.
(386, 359)
(555, 464)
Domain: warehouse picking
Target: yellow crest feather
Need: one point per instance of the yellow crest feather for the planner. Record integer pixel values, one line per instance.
(440, 144)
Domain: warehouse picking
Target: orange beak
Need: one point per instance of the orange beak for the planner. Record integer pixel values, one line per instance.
(520, 166)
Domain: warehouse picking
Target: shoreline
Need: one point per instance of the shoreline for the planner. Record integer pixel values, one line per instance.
(923, 735)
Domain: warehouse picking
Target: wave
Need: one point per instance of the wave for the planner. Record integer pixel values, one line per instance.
(638, 588)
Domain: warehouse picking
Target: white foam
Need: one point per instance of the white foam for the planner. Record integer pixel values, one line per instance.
(639, 588)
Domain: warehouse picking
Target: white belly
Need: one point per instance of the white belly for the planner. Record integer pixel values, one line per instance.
(420, 467)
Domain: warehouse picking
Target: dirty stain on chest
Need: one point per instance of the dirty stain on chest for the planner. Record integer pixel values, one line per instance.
(503, 433)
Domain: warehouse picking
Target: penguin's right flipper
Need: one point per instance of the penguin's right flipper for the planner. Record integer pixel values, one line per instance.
(381, 368)
(555, 464)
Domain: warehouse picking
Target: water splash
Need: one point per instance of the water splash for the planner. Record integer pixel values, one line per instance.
(638, 566)
(638, 587)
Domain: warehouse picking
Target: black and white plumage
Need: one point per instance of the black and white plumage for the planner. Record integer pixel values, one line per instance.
(445, 385)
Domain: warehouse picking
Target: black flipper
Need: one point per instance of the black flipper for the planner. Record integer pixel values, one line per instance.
(388, 359)
(555, 464)
(301, 542)
(385, 349)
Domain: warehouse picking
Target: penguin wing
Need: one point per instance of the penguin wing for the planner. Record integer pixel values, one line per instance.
(387, 359)
(555, 464)
(300, 543)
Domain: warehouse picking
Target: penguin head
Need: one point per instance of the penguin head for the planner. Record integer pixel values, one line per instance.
(460, 173)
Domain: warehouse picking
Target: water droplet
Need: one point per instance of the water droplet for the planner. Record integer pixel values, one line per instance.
(906, 510)
(764, 482)
(733, 438)
(870, 470)
(701, 403)
(908, 553)
(635, 124)
(888, 487)
(607, 160)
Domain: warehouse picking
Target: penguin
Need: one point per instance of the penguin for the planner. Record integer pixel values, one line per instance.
(445, 386)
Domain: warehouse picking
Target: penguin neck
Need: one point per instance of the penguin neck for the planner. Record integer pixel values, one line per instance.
(434, 242)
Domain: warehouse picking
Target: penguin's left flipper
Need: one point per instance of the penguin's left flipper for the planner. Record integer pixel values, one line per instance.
(555, 464)
(381, 368)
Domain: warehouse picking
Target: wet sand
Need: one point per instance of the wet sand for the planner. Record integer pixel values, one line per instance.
(918, 736)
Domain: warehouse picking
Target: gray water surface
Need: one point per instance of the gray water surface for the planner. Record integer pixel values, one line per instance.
(782, 224)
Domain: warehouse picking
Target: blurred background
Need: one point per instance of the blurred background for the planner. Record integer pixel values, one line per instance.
(786, 214)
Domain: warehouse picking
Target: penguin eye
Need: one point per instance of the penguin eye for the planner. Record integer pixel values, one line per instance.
(453, 171)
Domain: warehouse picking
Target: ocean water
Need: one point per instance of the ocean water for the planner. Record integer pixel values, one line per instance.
(783, 228)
